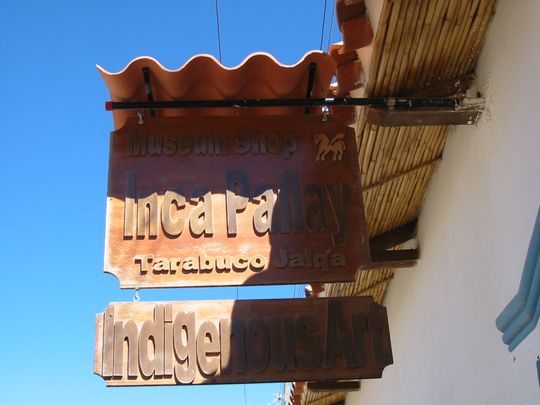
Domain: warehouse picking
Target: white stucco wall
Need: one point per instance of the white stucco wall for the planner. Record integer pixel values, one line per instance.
(474, 232)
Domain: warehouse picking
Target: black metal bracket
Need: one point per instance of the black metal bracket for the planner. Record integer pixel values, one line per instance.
(311, 79)
(148, 88)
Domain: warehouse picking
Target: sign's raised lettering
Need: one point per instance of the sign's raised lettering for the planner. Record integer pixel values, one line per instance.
(222, 201)
(144, 143)
(144, 214)
(241, 341)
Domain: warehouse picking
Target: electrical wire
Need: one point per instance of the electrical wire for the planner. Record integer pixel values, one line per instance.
(331, 24)
(221, 61)
(218, 30)
(323, 21)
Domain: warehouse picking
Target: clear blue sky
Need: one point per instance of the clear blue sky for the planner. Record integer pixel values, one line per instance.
(54, 151)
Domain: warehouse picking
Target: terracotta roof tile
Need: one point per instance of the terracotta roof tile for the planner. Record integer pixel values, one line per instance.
(260, 75)
(354, 24)
(349, 9)
(357, 33)
(349, 70)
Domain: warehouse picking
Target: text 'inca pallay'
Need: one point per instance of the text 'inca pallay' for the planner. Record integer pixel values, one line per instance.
(219, 201)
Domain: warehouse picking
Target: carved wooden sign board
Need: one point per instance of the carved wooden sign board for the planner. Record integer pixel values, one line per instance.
(228, 201)
(205, 342)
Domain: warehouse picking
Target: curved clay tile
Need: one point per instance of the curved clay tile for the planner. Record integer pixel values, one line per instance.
(260, 75)
(357, 33)
(349, 70)
(354, 24)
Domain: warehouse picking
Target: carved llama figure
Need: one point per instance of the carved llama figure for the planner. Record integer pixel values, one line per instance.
(336, 146)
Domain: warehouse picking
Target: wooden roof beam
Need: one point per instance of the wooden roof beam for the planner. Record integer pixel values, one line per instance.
(394, 258)
(426, 116)
(334, 386)
(393, 237)
(422, 116)
(456, 87)
(381, 257)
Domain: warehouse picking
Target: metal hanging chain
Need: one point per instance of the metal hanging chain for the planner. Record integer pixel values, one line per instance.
(136, 296)
(325, 112)
(140, 117)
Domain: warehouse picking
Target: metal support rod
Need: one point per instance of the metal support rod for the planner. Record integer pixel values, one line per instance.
(148, 88)
(311, 79)
(396, 102)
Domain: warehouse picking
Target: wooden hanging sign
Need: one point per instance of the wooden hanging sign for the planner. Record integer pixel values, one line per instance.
(222, 342)
(234, 201)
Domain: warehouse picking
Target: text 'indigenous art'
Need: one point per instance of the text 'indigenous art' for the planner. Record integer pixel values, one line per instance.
(204, 342)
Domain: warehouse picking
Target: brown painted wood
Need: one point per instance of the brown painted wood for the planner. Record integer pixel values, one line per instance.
(393, 237)
(222, 342)
(381, 258)
(230, 201)
(454, 87)
(394, 258)
(426, 116)
(333, 386)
